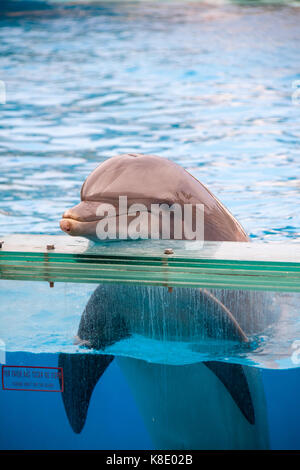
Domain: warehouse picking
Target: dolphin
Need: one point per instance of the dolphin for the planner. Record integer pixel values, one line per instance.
(211, 404)
(185, 404)
(147, 179)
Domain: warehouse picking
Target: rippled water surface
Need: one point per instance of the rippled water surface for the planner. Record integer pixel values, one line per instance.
(209, 86)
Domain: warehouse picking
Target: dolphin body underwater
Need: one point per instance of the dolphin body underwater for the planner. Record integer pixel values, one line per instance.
(202, 405)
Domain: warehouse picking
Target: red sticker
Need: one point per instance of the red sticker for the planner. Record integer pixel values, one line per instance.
(32, 378)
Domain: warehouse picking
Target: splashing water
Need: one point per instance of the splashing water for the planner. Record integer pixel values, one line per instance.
(48, 321)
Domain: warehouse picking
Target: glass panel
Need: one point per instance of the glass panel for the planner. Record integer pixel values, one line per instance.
(215, 264)
(137, 366)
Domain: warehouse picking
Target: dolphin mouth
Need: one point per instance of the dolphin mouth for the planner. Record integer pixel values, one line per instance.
(81, 219)
(85, 211)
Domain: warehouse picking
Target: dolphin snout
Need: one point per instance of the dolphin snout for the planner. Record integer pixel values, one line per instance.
(73, 213)
(69, 221)
(81, 220)
(65, 225)
(68, 214)
(74, 227)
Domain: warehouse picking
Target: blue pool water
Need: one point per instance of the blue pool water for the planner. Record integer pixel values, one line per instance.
(209, 86)
(157, 393)
(37, 420)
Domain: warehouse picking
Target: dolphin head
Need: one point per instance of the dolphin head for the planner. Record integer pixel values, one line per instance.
(146, 180)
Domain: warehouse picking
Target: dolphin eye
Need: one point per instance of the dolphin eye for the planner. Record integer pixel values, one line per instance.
(166, 202)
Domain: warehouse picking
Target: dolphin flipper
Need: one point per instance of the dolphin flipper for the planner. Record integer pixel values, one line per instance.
(99, 327)
(234, 379)
(81, 373)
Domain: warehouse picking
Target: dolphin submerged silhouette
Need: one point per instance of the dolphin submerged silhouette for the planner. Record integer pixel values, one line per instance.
(226, 399)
